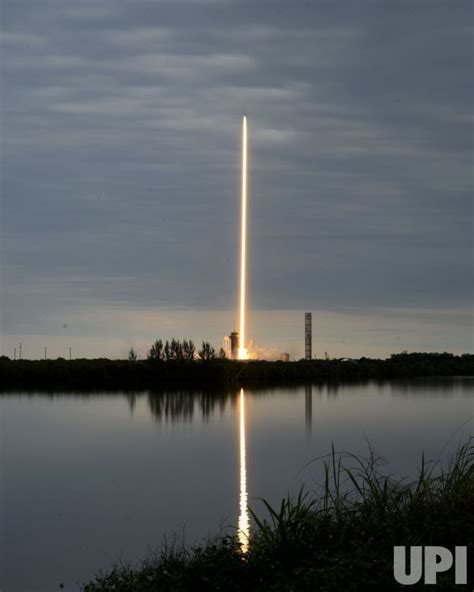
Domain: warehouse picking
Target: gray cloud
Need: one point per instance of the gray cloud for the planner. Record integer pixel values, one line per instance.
(120, 154)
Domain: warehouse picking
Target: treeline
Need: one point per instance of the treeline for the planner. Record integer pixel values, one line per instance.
(175, 367)
(176, 350)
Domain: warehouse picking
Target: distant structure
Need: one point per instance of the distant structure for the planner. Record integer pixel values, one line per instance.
(285, 357)
(234, 345)
(308, 336)
(226, 346)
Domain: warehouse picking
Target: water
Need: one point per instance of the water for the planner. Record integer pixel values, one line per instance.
(88, 480)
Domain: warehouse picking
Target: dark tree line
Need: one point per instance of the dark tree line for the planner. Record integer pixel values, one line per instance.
(176, 350)
(167, 367)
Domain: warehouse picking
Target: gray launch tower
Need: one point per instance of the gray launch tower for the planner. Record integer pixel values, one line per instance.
(234, 345)
(308, 336)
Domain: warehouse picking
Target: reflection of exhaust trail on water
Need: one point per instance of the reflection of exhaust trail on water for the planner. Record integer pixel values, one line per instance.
(244, 526)
(308, 409)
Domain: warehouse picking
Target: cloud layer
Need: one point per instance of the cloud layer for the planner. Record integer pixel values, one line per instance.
(120, 156)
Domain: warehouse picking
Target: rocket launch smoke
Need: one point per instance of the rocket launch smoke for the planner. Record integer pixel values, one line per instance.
(242, 353)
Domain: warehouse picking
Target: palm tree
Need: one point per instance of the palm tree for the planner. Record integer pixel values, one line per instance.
(207, 352)
(156, 351)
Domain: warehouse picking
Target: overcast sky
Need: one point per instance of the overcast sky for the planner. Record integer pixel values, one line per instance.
(120, 173)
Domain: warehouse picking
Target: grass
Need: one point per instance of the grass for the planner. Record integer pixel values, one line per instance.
(339, 538)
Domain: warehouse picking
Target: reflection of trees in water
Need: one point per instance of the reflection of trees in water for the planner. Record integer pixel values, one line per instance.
(432, 387)
(331, 388)
(179, 405)
(429, 386)
(131, 400)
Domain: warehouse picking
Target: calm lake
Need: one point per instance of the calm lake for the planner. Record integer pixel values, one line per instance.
(88, 480)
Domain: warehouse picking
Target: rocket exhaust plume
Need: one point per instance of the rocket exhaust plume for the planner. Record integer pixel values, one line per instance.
(242, 352)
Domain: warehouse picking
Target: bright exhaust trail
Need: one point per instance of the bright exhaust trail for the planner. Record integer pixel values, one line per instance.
(242, 353)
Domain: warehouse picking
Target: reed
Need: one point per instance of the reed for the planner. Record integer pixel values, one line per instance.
(339, 537)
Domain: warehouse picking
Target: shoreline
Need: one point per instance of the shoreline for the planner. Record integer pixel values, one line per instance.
(340, 537)
(93, 374)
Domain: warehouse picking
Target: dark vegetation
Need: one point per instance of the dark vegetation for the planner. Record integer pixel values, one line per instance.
(339, 538)
(176, 364)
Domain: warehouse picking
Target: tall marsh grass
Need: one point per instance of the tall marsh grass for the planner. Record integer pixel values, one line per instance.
(338, 538)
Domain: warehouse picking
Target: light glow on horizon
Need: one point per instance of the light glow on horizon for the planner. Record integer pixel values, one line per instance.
(244, 525)
(242, 352)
